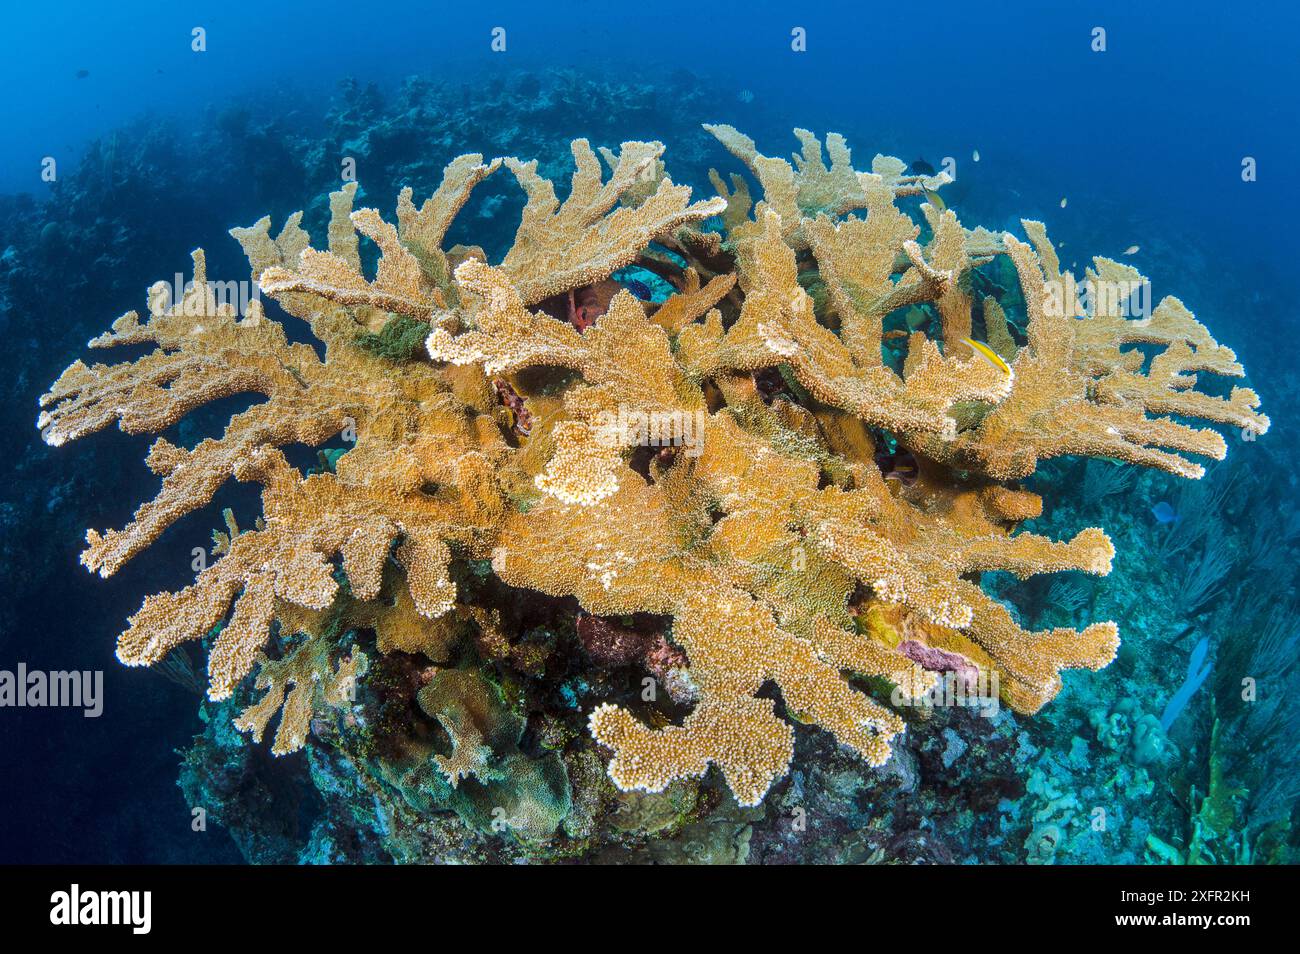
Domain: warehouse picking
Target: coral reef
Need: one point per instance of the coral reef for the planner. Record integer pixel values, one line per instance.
(702, 474)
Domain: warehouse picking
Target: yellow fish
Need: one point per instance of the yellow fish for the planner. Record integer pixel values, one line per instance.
(935, 201)
(989, 354)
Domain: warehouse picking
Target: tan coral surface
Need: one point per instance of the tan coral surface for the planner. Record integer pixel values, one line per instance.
(769, 391)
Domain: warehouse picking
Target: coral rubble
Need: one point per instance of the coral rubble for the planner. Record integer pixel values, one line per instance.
(698, 486)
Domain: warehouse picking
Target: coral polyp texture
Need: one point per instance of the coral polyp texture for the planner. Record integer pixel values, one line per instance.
(773, 486)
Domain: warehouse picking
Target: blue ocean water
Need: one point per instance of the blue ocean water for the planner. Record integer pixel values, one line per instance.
(160, 147)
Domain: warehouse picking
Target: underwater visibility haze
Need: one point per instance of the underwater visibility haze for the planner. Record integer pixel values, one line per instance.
(570, 433)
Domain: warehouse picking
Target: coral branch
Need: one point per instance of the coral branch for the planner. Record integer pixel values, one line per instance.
(803, 459)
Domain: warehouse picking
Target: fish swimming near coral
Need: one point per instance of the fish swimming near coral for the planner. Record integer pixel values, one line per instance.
(916, 318)
(988, 354)
(899, 465)
(1164, 512)
(920, 167)
(586, 305)
(638, 288)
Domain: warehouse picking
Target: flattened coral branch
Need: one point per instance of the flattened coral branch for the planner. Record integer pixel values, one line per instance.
(1078, 393)
(203, 353)
(734, 645)
(423, 231)
(809, 188)
(560, 247)
(306, 524)
(618, 554)
(778, 326)
(399, 288)
(297, 687)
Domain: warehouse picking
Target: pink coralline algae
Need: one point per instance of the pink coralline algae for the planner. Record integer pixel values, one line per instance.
(609, 644)
(940, 660)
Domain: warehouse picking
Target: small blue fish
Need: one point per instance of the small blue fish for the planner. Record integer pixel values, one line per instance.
(638, 288)
(1164, 512)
